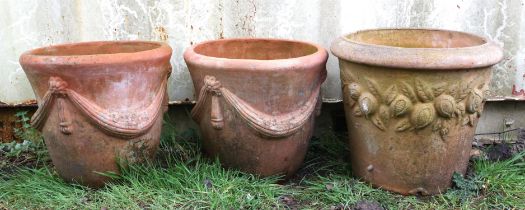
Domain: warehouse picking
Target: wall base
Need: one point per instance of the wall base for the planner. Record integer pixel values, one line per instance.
(498, 117)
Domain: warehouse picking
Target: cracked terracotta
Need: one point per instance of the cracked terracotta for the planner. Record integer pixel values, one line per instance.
(99, 102)
(412, 99)
(257, 101)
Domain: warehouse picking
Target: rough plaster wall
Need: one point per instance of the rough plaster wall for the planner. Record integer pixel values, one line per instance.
(27, 24)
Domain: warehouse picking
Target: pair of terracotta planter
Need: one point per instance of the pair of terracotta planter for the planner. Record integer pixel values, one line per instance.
(102, 102)
(412, 100)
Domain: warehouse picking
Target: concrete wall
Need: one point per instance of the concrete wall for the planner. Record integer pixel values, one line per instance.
(27, 24)
(498, 117)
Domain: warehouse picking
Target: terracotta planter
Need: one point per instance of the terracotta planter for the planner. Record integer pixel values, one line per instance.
(98, 102)
(256, 102)
(412, 99)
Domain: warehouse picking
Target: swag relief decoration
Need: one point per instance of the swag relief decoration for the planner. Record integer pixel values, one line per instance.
(124, 124)
(415, 105)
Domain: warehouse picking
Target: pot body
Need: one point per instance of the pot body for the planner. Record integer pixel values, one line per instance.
(100, 103)
(411, 125)
(256, 115)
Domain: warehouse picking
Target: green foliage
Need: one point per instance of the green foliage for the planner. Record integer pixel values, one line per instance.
(26, 132)
(466, 188)
(14, 149)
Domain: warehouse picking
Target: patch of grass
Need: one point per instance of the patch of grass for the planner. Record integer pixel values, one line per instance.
(181, 178)
(202, 185)
(504, 182)
(38, 188)
(495, 185)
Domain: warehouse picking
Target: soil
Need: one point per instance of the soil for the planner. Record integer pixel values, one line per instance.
(504, 151)
(367, 205)
(290, 202)
(499, 152)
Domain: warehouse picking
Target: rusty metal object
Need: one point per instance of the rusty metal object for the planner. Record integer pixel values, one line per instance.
(257, 101)
(9, 122)
(99, 103)
(412, 99)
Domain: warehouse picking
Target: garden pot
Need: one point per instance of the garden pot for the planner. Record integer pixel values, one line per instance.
(99, 103)
(412, 99)
(257, 100)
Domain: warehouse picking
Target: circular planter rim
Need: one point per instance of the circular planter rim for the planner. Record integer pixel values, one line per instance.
(31, 56)
(315, 58)
(477, 56)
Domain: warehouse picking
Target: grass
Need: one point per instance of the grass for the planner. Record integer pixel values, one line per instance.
(180, 186)
(181, 178)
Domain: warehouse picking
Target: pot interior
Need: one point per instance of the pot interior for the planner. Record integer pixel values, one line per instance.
(255, 49)
(95, 48)
(416, 38)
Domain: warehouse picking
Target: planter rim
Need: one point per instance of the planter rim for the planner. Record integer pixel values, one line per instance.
(476, 56)
(33, 56)
(191, 56)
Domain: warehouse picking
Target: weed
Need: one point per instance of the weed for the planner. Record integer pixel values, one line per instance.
(14, 149)
(26, 132)
(466, 187)
(30, 152)
(503, 182)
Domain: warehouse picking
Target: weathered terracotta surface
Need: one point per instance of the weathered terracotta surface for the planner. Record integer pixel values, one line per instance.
(257, 101)
(412, 99)
(99, 102)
